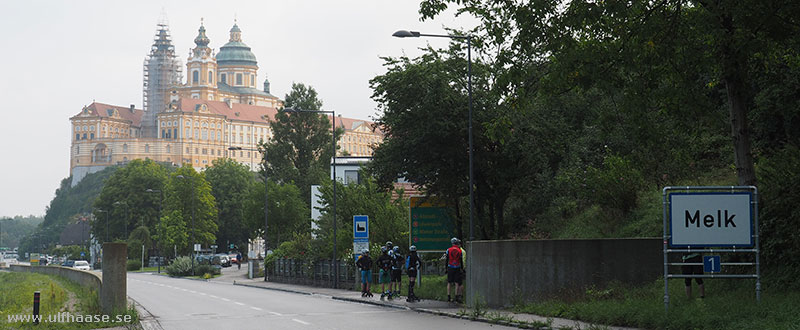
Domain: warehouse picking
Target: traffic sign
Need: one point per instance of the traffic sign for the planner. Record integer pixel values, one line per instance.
(360, 226)
(704, 219)
(197, 247)
(431, 225)
(213, 246)
(711, 264)
(360, 244)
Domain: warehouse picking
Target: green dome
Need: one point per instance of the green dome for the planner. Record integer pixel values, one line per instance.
(235, 53)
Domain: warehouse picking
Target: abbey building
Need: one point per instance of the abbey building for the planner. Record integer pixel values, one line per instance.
(219, 105)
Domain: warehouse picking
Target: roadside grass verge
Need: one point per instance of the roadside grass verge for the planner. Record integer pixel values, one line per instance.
(433, 287)
(56, 295)
(729, 304)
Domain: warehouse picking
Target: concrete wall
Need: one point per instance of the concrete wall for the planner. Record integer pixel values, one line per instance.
(84, 278)
(114, 297)
(500, 271)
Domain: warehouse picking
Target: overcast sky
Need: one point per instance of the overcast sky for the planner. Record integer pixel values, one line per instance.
(59, 56)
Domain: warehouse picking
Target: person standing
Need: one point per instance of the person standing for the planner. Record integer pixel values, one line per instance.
(692, 270)
(455, 263)
(413, 264)
(397, 271)
(385, 264)
(364, 263)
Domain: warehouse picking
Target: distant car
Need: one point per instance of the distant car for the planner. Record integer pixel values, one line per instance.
(68, 263)
(81, 264)
(224, 260)
(233, 258)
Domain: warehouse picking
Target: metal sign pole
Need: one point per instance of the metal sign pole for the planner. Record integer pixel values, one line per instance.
(666, 240)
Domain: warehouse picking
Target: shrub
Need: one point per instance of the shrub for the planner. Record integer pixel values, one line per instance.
(780, 176)
(181, 266)
(133, 265)
(205, 269)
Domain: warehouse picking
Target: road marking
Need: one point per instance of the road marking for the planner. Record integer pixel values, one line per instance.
(256, 308)
(238, 303)
(226, 299)
(276, 314)
(192, 291)
(301, 322)
(213, 296)
(202, 294)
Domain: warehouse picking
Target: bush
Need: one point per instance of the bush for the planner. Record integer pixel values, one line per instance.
(205, 269)
(181, 266)
(780, 176)
(133, 265)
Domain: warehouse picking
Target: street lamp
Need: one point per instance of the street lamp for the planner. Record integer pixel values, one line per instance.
(266, 206)
(333, 181)
(191, 245)
(160, 201)
(415, 34)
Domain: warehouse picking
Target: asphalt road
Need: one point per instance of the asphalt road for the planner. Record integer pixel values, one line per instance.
(190, 304)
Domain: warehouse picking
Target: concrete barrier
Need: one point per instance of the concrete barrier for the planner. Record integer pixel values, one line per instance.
(501, 271)
(91, 280)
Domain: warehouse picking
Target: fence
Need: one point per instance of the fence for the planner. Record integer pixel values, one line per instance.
(321, 272)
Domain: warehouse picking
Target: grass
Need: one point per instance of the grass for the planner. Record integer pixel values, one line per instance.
(729, 304)
(17, 298)
(434, 287)
(149, 269)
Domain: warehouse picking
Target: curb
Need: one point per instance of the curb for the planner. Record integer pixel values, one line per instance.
(274, 289)
(369, 302)
(146, 319)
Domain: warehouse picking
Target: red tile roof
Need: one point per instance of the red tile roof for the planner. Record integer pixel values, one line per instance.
(237, 111)
(101, 110)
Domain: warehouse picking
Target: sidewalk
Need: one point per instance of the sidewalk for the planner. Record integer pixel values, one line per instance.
(493, 316)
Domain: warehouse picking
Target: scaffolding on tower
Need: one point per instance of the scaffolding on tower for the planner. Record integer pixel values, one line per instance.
(162, 71)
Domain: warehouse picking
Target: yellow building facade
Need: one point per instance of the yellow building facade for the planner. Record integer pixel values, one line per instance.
(218, 107)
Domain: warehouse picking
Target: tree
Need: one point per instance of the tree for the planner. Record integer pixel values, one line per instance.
(126, 199)
(659, 53)
(389, 218)
(300, 149)
(193, 210)
(289, 214)
(230, 184)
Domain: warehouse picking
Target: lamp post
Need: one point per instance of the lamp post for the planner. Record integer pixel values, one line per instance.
(266, 206)
(333, 182)
(160, 202)
(415, 34)
(191, 245)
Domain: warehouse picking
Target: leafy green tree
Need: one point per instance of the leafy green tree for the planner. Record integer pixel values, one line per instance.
(12, 230)
(172, 233)
(288, 215)
(300, 149)
(126, 199)
(139, 237)
(230, 184)
(195, 211)
(389, 218)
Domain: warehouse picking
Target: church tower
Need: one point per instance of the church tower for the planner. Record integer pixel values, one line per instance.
(162, 70)
(201, 69)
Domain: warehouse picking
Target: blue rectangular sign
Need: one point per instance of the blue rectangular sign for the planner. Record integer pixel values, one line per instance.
(360, 226)
(711, 264)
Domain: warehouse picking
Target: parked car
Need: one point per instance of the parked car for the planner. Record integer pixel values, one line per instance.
(224, 260)
(68, 263)
(81, 264)
(233, 258)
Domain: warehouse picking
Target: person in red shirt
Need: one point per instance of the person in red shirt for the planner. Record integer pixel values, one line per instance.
(455, 264)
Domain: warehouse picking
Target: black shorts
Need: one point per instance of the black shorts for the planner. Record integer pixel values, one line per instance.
(454, 275)
(397, 275)
(692, 270)
(412, 272)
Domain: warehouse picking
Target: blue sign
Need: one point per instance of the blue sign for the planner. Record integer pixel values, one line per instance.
(711, 264)
(360, 226)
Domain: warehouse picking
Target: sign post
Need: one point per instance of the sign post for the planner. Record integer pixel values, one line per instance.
(713, 219)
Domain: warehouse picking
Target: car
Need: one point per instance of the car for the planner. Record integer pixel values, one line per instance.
(81, 264)
(224, 260)
(68, 263)
(233, 258)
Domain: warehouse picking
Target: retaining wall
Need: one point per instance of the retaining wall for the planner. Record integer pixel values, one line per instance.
(501, 271)
(84, 278)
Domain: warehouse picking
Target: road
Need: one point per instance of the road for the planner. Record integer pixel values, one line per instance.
(190, 304)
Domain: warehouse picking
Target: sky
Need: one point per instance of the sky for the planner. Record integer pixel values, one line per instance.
(59, 56)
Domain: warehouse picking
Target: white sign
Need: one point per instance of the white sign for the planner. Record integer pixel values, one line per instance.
(711, 219)
(360, 244)
(197, 247)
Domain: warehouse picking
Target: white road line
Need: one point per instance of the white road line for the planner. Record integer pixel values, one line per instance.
(202, 294)
(225, 299)
(213, 296)
(301, 322)
(276, 314)
(256, 308)
(238, 303)
(192, 291)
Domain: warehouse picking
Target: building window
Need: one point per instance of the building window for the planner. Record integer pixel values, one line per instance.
(124, 148)
(210, 77)
(169, 148)
(350, 177)
(195, 76)
(175, 133)
(188, 151)
(252, 80)
(77, 149)
(238, 79)
(205, 134)
(196, 150)
(77, 136)
(92, 136)
(146, 148)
